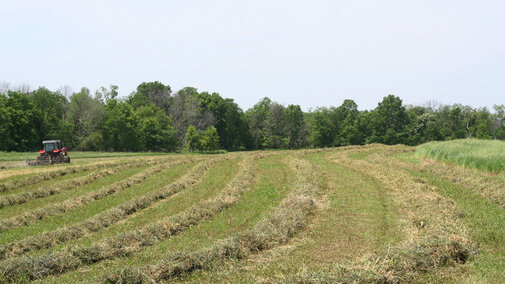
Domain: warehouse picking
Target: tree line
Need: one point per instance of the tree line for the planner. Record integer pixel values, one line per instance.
(153, 118)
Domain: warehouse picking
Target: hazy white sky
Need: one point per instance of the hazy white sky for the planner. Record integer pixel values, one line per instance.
(312, 53)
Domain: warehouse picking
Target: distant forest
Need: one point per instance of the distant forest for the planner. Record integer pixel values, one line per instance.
(153, 118)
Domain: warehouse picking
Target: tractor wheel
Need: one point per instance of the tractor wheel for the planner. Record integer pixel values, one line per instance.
(66, 160)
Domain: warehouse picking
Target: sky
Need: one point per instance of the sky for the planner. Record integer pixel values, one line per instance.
(312, 53)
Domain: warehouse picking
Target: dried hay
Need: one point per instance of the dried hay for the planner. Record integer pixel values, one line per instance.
(128, 242)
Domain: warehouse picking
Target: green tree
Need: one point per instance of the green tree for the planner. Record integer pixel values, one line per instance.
(85, 115)
(345, 121)
(120, 127)
(451, 121)
(155, 130)
(185, 110)
(93, 142)
(229, 120)
(104, 95)
(209, 140)
(389, 121)
(193, 139)
(498, 122)
(52, 107)
(256, 117)
(322, 129)
(483, 124)
(151, 93)
(19, 119)
(275, 126)
(296, 128)
(4, 123)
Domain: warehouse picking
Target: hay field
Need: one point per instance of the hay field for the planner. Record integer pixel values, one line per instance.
(362, 214)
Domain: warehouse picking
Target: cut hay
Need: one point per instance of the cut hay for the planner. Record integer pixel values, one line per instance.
(287, 219)
(396, 265)
(104, 219)
(63, 185)
(128, 242)
(32, 216)
(45, 176)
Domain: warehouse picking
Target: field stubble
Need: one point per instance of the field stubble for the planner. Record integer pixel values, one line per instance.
(286, 220)
(32, 216)
(126, 243)
(106, 218)
(375, 214)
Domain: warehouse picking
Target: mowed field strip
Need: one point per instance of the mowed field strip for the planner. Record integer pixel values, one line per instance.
(357, 214)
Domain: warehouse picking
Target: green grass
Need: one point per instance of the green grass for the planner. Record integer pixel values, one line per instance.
(214, 180)
(45, 183)
(356, 216)
(12, 211)
(487, 155)
(54, 222)
(486, 222)
(357, 219)
(254, 205)
(366, 216)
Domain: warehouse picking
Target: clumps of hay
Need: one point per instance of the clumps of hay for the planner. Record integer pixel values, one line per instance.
(396, 265)
(32, 216)
(60, 186)
(287, 219)
(104, 219)
(44, 176)
(479, 182)
(40, 177)
(125, 243)
(434, 234)
(424, 213)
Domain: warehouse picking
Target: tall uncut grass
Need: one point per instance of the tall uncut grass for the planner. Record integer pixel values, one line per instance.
(486, 155)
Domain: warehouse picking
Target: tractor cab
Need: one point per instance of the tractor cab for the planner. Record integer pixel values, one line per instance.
(51, 145)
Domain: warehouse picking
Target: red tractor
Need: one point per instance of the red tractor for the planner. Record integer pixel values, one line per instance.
(53, 153)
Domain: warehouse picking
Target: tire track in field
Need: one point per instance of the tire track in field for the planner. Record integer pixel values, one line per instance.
(129, 242)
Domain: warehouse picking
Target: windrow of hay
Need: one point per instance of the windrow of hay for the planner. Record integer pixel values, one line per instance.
(481, 183)
(432, 226)
(104, 219)
(286, 220)
(418, 201)
(125, 243)
(44, 176)
(68, 184)
(397, 265)
(32, 216)
(349, 150)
